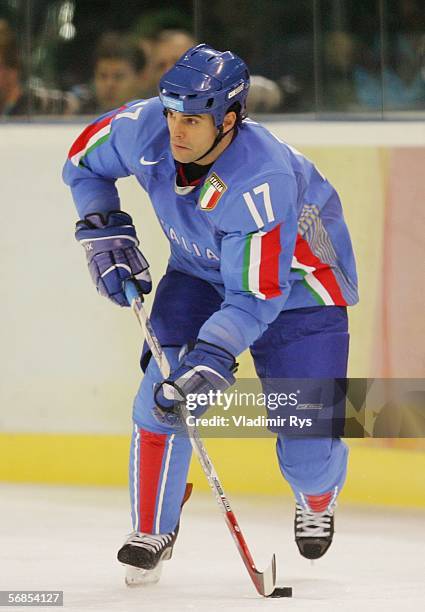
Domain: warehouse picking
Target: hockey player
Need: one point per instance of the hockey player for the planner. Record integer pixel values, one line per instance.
(260, 257)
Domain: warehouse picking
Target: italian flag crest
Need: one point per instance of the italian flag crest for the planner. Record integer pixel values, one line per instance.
(211, 192)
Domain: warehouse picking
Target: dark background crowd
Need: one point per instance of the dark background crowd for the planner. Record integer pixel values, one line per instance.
(73, 57)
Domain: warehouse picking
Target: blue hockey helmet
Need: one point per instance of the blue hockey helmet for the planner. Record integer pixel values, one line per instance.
(205, 80)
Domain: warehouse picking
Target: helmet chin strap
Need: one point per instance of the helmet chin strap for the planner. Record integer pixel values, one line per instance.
(218, 139)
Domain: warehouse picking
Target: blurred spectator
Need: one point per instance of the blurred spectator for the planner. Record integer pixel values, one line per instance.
(339, 93)
(401, 89)
(264, 96)
(12, 99)
(118, 75)
(6, 32)
(16, 99)
(402, 74)
(162, 51)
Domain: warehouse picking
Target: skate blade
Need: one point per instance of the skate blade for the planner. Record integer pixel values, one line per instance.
(136, 577)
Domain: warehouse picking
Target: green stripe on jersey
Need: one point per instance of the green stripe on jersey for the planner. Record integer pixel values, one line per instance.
(246, 262)
(96, 144)
(314, 294)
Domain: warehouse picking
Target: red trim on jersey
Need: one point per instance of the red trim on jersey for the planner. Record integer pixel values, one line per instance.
(323, 272)
(269, 264)
(151, 453)
(182, 175)
(319, 503)
(93, 128)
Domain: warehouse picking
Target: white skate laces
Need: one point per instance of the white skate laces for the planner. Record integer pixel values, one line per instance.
(310, 524)
(153, 543)
(314, 523)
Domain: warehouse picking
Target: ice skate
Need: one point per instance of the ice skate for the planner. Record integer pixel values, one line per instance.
(144, 554)
(314, 530)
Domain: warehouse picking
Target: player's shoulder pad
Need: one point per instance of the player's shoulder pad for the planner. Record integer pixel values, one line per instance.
(251, 186)
(139, 116)
(141, 125)
(146, 113)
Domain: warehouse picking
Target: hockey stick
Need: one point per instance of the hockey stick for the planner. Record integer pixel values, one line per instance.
(264, 581)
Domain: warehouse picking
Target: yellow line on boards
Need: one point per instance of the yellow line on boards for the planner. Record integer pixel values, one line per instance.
(387, 476)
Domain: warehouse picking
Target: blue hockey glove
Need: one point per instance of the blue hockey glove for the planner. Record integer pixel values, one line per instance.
(205, 368)
(111, 245)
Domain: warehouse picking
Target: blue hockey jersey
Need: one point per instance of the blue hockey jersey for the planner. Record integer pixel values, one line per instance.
(264, 226)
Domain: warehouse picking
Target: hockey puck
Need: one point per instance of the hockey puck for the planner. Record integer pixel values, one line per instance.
(281, 592)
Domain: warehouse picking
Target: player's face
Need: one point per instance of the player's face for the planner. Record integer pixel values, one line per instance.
(190, 135)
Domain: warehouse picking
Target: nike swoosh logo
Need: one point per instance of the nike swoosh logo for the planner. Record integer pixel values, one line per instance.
(145, 162)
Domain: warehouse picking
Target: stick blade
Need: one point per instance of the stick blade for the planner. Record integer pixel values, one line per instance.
(265, 582)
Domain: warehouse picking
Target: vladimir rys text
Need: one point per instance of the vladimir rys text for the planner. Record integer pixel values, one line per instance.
(243, 421)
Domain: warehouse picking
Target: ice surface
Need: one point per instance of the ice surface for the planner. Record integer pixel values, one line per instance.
(67, 538)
